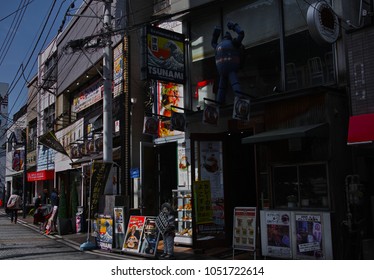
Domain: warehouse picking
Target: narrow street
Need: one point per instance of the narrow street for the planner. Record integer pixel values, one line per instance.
(22, 242)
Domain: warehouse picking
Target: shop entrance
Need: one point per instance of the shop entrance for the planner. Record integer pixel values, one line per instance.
(159, 176)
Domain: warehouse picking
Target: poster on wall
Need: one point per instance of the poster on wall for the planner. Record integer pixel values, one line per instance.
(103, 231)
(276, 233)
(244, 237)
(211, 170)
(169, 100)
(119, 226)
(165, 55)
(183, 164)
(313, 236)
(202, 202)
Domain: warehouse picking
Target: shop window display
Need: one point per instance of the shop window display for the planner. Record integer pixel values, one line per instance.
(301, 186)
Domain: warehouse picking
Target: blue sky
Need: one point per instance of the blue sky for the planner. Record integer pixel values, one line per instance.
(23, 35)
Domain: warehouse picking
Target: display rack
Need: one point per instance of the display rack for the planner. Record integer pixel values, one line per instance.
(183, 218)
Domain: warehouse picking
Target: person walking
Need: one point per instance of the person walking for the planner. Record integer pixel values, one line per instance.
(13, 205)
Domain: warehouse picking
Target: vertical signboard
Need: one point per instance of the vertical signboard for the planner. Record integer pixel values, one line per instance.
(276, 234)
(244, 237)
(104, 232)
(165, 59)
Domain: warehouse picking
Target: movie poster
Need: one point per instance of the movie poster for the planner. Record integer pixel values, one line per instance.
(133, 234)
(169, 101)
(276, 234)
(309, 235)
(119, 226)
(149, 238)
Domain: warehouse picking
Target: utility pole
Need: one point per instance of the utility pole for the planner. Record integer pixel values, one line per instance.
(24, 197)
(107, 76)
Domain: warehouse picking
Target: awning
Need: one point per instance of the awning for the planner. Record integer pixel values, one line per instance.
(315, 130)
(361, 129)
(41, 175)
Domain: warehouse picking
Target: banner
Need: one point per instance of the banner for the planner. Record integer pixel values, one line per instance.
(49, 140)
(99, 178)
(203, 202)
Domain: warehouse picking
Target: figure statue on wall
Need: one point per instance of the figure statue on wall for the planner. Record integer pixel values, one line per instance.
(228, 55)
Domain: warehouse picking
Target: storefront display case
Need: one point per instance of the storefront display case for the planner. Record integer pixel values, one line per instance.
(183, 207)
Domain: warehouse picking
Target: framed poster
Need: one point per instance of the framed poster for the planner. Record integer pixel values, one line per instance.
(276, 233)
(312, 235)
(244, 237)
(142, 236)
(133, 233)
(149, 238)
(119, 226)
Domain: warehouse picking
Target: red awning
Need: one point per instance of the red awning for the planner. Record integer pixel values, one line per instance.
(40, 175)
(361, 129)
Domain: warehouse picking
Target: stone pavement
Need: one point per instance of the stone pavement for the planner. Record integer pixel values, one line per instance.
(181, 252)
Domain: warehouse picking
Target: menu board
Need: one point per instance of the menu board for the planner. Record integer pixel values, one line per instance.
(244, 237)
(142, 236)
(276, 233)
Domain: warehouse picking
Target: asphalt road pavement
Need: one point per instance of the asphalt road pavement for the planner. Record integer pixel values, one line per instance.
(22, 242)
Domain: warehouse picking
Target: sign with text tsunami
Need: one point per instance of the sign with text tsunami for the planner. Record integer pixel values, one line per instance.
(165, 58)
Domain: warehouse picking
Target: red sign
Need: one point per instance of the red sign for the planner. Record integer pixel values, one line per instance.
(40, 175)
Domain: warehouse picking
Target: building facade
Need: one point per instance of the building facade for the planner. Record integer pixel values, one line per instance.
(276, 144)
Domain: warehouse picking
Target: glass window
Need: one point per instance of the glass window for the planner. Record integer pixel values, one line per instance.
(307, 63)
(301, 186)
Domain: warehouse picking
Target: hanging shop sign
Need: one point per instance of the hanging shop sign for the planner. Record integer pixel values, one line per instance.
(165, 55)
(323, 23)
(40, 175)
